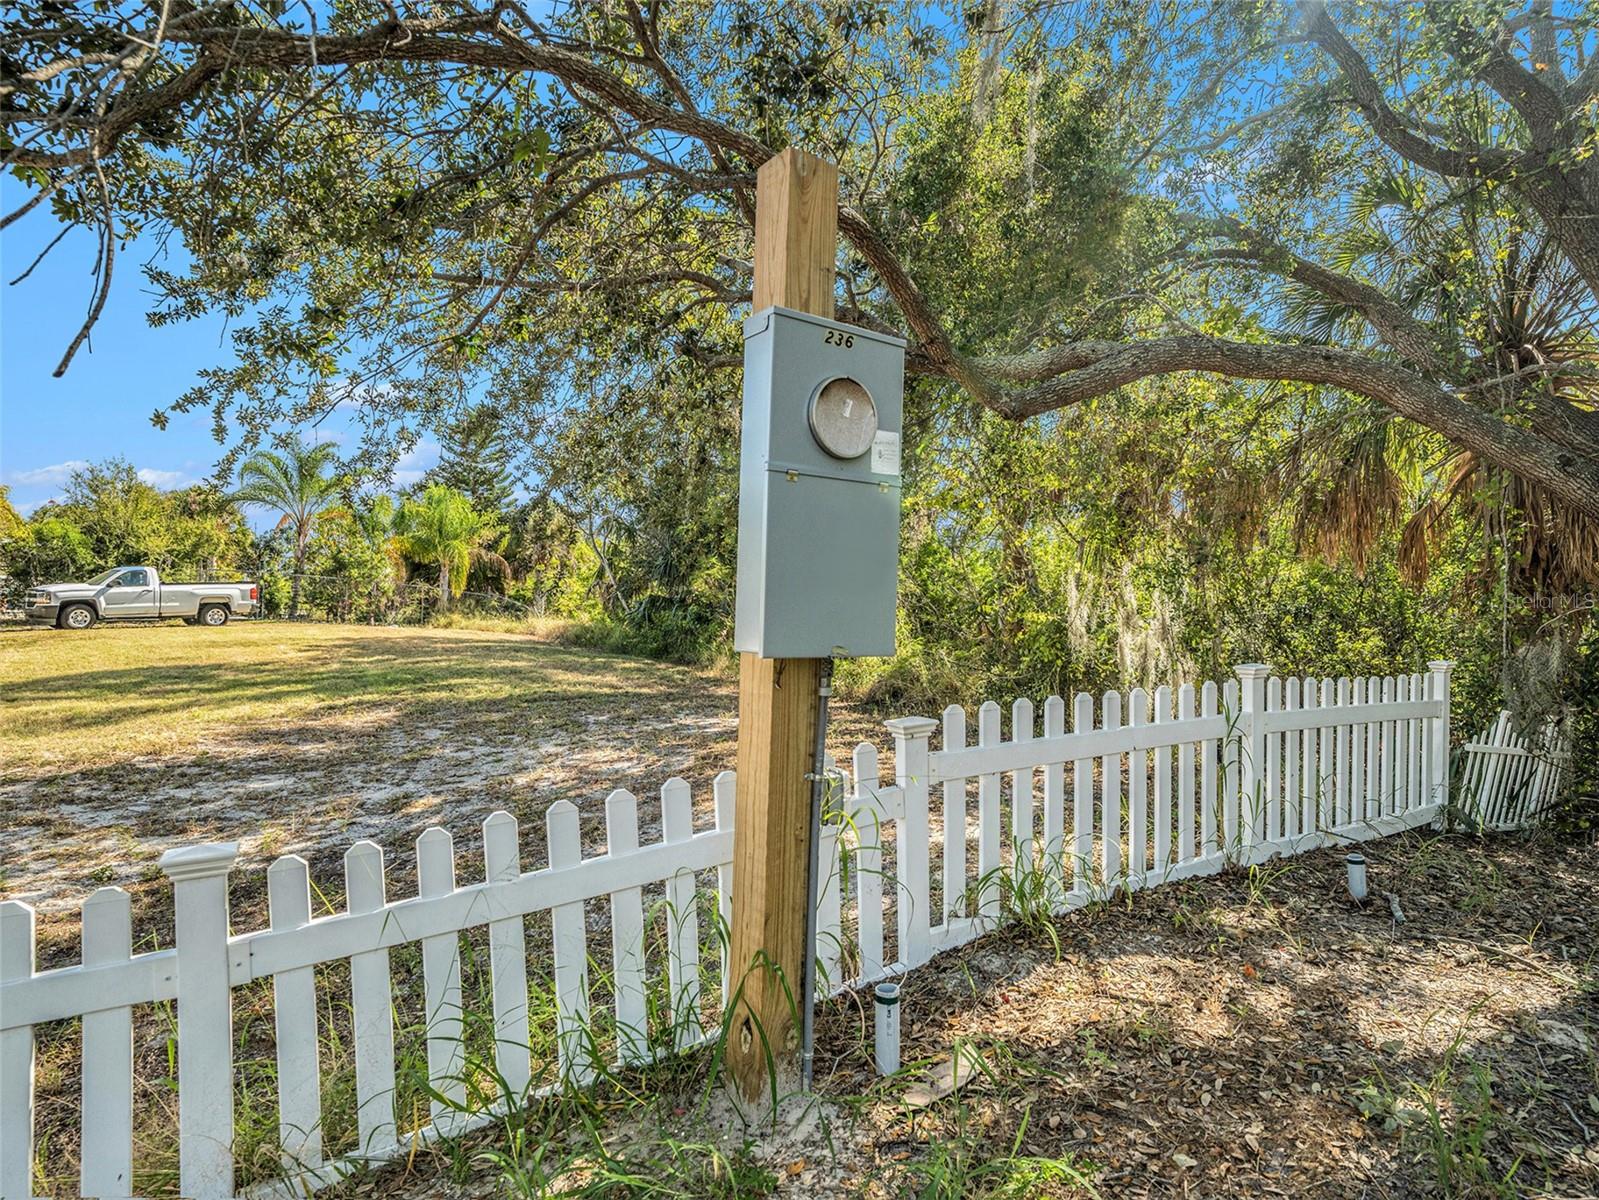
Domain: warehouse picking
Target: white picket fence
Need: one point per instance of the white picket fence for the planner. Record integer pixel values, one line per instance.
(1186, 786)
(207, 963)
(1161, 791)
(1509, 781)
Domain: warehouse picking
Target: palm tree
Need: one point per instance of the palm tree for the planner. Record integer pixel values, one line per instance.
(442, 527)
(297, 482)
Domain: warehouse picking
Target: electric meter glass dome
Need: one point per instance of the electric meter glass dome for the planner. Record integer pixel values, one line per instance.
(843, 418)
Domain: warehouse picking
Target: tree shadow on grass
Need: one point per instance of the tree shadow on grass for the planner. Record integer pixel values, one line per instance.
(413, 676)
(349, 737)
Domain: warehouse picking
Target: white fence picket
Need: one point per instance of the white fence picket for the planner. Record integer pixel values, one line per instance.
(1230, 768)
(1517, 773)
(1438, 772)
(1417, 740)
(988, 821)
(954, 738)
(1185, 779)
(371, 997)
(1082, 800)
(1402, 739)
(1137, 793)
(441, 978)
(1415, 757)
(1389, 752)
(1494, 771)
(1271, 793)
(1532, 790)
(1054, 857)
(913, 891)
(1357, 754)
(1310, 819)
(867, 821)
(1327, 761)
(1210, 801)
(1344, 759)
(1374, 755)
(1286, 797)
(1500, 776)
(682, 914)
(17, 942)
(570, 946)
(295, 1023)
(199, 876)
(502, 863)
(724, 790)
(1110, 798)
(1022, 796)
(1162, 814)
(627, 934)
(1498, 770)
(1250, 825)
(829, 910)
(1405, 771)
(106, 1150)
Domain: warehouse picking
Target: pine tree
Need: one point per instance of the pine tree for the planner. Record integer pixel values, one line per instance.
(475, 459)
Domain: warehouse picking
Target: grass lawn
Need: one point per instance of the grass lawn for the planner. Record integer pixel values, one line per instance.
(124, 740)
(303, 738)
(74, 701)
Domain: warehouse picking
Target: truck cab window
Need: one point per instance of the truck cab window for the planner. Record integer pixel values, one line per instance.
(132, 579)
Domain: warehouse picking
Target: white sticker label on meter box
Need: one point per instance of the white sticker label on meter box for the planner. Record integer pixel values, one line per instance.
(885, 453)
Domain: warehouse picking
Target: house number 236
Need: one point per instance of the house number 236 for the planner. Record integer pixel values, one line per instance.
(835, 338)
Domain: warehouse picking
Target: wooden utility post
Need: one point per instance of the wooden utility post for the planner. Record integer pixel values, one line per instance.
(796, 241)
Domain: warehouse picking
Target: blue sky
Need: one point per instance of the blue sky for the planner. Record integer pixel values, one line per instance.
(101, 408)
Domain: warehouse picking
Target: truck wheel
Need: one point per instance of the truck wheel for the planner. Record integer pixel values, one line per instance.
(214, 615)
(77, 616)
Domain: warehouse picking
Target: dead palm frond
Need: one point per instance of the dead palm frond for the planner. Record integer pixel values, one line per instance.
(1352, 487)
(1547, 547)
(1525, 318)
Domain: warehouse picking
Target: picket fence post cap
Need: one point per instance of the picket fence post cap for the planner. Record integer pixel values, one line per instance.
(909, 727)
(199, 862)
(1442, 664)
(1252, 670)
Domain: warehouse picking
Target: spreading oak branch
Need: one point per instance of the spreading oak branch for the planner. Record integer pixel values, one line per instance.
(1408, 372)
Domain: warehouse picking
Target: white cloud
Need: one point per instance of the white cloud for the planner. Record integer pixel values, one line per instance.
(164, 479)
(414, 463)
(58, 473)
(54, 474)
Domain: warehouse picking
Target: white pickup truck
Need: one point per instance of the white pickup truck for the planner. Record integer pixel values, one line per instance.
(137, 593)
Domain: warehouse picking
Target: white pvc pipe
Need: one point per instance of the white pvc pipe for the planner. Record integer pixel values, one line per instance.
(887, 1006)
(1357, 877)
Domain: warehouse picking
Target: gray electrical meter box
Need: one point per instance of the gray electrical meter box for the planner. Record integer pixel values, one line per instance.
(818, 506)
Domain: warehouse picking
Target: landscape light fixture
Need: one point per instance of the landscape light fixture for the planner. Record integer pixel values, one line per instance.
(886, 1004)
(1357, 877)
